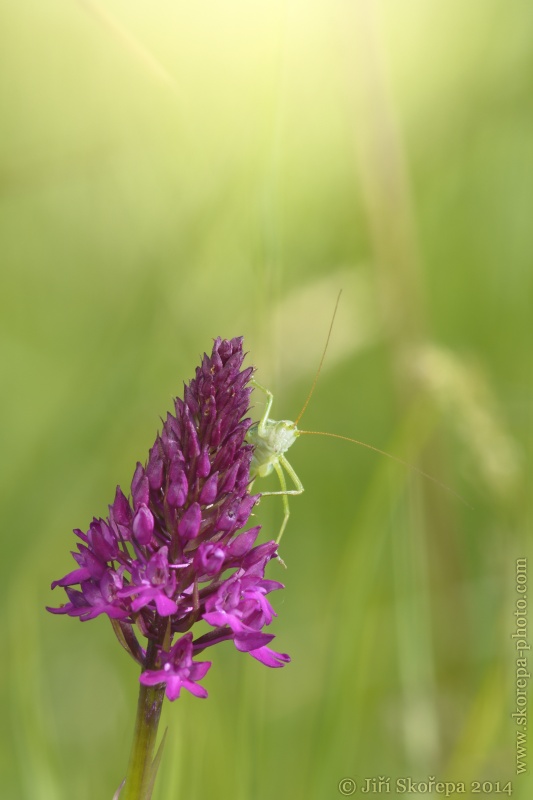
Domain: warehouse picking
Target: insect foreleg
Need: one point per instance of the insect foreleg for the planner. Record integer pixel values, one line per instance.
(270, 397)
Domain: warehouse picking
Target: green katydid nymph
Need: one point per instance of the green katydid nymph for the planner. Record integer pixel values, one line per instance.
(271, 440)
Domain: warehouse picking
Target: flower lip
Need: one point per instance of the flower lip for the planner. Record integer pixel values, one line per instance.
(178, 670)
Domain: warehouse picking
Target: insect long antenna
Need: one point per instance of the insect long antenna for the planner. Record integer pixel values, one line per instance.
(389, 455)
(300, 415)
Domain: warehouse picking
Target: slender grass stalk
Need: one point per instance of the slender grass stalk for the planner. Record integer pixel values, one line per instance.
(401, 292)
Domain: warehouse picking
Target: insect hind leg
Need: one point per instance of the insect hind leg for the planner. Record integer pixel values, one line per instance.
(279, 465)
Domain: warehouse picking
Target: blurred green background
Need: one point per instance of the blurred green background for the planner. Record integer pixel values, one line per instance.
(174, 171)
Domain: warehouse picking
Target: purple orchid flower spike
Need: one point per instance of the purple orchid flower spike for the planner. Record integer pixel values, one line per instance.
(175, 552)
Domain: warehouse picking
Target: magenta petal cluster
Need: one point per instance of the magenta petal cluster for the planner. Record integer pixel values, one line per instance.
(175, 553)
(178, 669)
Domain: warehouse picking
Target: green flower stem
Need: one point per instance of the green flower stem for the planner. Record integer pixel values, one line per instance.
(142, 767)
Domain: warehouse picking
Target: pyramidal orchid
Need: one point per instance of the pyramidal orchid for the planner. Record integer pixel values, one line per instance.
(174, 554)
